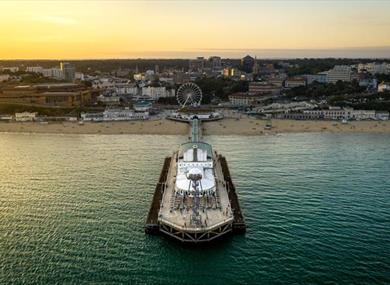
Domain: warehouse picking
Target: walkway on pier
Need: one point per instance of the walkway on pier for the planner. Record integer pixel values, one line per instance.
(195, 131)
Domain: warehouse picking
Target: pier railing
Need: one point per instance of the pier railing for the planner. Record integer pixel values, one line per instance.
(151, 226)
(238, 222)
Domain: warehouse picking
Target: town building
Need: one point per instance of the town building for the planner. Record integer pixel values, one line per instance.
(79, 76)
(157, 92)
(247, 64)
(26, 116)
(215, 63)
(34, 69)
(277, 80)
(112, 83)
(109, 100)
(12, 69)
(149, 75)
(68, 71)
(4, 77)
(321, 77)
(103, 83)
(167, 80)
(65, 72)
(142, 106)
(296, 116)
(382, 115)
(368, 81)
(244, 99)
(125, 89)
(138, 77)
(293, 82)
(330, 114)
(340, 72)
(180, 77)
(124, 115)
(263, 88)
(361, 114)
(374, 68)
(230, 72)
(6, 117)
(285, 107)
(114, 115)
(256, 67)
(267, 69)
(92, 117)
(197, 65)
(55, 73)
(63, 94)
(336, 113)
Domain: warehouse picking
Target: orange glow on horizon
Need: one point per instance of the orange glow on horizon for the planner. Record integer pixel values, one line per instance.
(102, 29)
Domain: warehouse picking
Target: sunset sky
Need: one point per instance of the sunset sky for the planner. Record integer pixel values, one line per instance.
(128, 29)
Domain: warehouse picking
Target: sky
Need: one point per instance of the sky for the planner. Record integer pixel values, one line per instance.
(185, 29)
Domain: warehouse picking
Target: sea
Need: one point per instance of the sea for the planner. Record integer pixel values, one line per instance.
(73, 207)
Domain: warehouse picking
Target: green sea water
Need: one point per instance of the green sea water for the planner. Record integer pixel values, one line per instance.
(72, 210)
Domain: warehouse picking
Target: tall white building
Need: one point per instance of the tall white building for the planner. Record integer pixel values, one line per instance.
(56, 73)
(53, 73)
(10, 69)
(68, 71)
(340, 72)
(34, 69)
(374, 68)
(157, 92)
(125, 89)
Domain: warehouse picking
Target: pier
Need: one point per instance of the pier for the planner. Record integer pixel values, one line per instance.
(195, 200)
(197, 217)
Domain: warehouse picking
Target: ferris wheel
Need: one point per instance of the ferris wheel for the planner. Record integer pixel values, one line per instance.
(189, 94)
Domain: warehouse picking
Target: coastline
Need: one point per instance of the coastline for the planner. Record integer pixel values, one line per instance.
(227, 126)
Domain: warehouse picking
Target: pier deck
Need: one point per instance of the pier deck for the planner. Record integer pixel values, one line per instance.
(210, 217)
(238, 225)
(191, 218)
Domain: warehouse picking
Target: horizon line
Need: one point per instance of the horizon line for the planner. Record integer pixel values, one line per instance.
(374, 52)
(189, 58)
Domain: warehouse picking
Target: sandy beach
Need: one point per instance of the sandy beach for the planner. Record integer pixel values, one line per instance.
(248, 126)
(243, 126)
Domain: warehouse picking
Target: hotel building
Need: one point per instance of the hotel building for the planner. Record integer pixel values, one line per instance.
(340, 72)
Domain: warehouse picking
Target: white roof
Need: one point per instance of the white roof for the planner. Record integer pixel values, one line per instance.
(207, 181)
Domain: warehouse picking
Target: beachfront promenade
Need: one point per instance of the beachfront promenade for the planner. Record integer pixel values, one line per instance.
(227, 126)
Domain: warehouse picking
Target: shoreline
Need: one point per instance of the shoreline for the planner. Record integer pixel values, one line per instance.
(227, 126)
